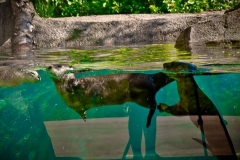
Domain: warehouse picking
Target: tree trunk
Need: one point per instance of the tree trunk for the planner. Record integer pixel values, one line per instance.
(22, 38)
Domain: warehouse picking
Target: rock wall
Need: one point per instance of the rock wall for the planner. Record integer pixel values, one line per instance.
(101, 30)
(218, 28)
(232, 24)
(112, 29)
(125, 29)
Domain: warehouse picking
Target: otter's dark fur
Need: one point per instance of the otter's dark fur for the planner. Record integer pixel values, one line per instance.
(198, 106)
(82, 94)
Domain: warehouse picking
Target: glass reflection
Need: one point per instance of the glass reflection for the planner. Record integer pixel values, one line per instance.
(201, 110)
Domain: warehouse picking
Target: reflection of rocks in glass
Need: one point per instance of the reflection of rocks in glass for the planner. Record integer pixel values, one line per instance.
(84, 93)
(201, 110)
(13, 76)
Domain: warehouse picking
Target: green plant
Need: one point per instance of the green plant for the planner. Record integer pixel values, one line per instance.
(44, 8)
(193, 6)
(64, 8)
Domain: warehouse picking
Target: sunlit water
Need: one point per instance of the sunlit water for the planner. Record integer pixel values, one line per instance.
(36, 123)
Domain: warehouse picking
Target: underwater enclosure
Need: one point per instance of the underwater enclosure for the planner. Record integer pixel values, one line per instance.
(193, 111)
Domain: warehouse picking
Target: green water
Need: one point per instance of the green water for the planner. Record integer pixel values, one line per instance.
(35, 123)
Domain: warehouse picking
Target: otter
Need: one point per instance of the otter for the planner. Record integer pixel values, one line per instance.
(198, 106)
(11, 76)
(84, 93)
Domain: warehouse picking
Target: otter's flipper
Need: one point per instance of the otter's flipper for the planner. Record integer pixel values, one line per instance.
(150, 115)
(82, 113)
(84, 116)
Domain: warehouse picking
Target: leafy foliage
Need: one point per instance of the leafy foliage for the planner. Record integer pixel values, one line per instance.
(63, 8)
(192, 6)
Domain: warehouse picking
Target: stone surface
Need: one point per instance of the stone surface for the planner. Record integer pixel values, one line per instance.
(102, 30)
(112, 29)
(218, 28)
(232, 25)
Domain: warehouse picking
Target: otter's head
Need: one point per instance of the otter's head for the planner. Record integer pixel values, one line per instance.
(58, 71)
(179, 67)
(31, 76)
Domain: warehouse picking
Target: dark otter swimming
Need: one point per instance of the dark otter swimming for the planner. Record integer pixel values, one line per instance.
(201, 110)
(82, 94)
